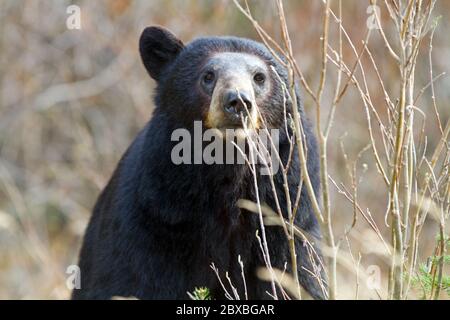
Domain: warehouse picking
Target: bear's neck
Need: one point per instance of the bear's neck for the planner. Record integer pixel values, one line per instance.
(190, 191)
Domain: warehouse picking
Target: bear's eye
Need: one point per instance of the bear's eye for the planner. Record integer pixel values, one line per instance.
(208, 77)
(259, 78)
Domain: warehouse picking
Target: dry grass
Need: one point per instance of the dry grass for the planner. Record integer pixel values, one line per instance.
(71, 101)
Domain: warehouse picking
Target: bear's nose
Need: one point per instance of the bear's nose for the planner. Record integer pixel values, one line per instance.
(236, 103)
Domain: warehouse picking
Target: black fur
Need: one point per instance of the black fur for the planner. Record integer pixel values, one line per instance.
(157, 226)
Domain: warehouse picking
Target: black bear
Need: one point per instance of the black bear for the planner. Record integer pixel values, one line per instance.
(158, 225)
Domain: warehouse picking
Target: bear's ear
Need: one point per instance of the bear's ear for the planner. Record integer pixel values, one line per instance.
(158, 48)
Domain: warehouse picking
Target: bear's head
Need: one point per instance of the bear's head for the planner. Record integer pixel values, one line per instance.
(221, 81)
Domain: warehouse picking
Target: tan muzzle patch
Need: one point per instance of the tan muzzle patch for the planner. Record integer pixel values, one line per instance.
(217, 117)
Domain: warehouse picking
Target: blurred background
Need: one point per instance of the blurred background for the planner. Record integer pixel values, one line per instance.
(71, 101)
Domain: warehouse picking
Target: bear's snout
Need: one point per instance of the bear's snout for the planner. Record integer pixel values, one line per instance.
(236, 105)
